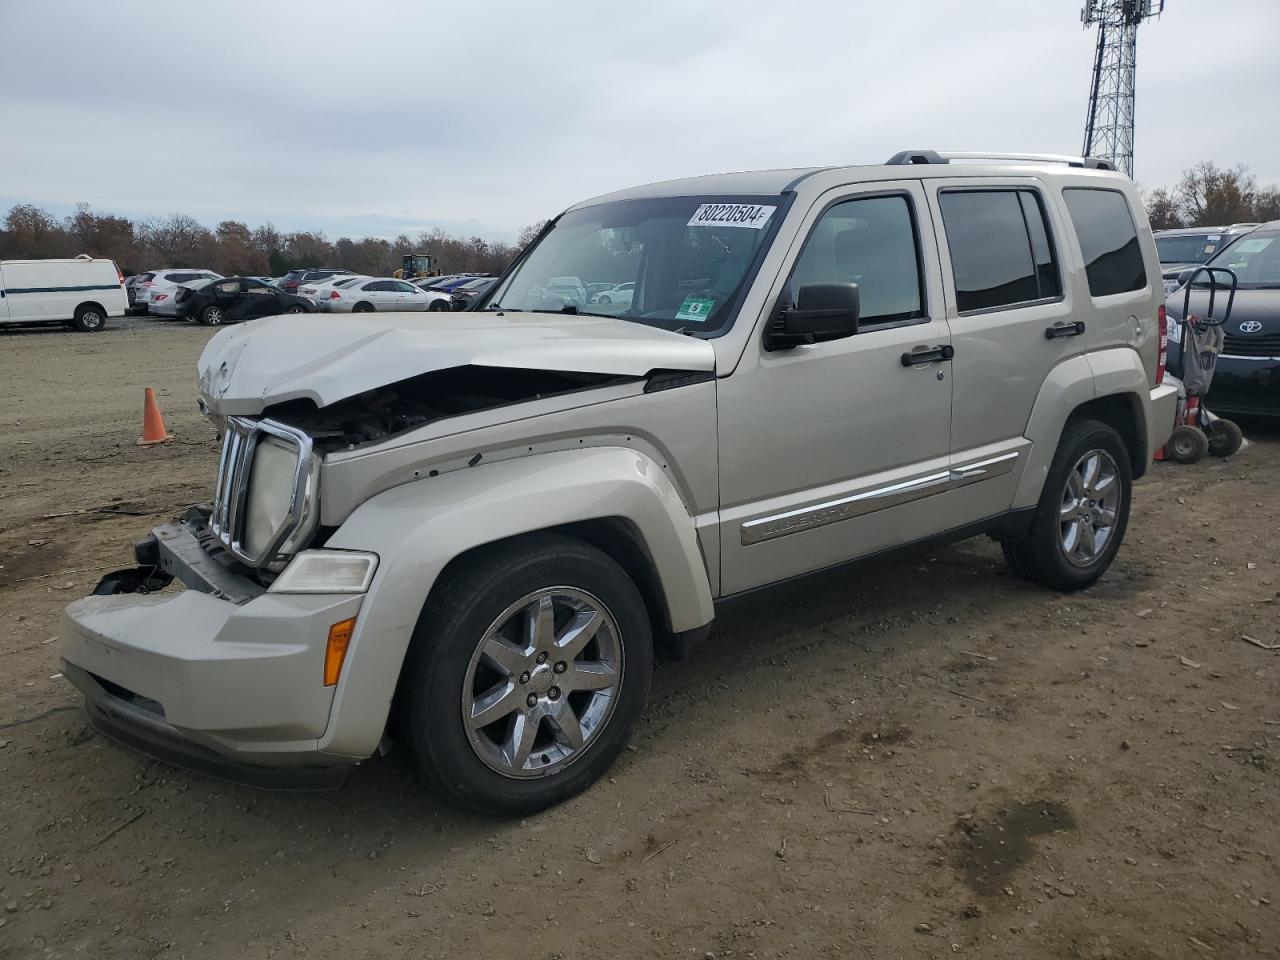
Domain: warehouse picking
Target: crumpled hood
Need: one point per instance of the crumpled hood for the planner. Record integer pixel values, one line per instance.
(249, 367)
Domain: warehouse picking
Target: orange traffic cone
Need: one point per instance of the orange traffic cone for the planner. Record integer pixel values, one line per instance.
(153, 430)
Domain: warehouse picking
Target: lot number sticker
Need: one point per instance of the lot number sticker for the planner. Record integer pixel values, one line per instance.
(696, 309)
(750, 215)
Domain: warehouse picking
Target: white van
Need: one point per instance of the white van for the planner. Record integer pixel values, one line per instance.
(83, 292)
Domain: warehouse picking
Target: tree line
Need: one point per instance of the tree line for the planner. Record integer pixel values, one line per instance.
(1205, 196)
(233, 248)
(1209, 197)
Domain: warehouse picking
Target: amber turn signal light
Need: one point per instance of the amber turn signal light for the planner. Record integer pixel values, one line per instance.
(335, 651)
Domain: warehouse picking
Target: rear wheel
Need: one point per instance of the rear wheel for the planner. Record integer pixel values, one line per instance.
(212, 316)
(1083, 511)
(1225, 438)
(529, 667)
(89, 318)
(362, 307)
(1187, 444)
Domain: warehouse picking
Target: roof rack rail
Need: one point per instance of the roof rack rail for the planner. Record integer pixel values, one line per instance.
(933, 156)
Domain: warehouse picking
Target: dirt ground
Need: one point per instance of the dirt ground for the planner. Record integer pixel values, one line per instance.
(919, 760)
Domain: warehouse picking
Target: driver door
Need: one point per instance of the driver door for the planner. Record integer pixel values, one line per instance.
(835, 450)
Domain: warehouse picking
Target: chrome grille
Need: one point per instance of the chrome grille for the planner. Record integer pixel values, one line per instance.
(231, 490)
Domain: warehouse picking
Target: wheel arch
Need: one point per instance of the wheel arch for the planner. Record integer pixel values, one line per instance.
(614, 499)
(85, 304)
(1107, 385)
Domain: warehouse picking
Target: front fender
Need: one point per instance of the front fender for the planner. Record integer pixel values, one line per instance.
(417, 528)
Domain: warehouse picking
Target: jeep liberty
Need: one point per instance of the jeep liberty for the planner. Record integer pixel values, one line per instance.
(465, 532)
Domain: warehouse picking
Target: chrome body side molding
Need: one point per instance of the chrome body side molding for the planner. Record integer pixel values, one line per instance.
(868, 501)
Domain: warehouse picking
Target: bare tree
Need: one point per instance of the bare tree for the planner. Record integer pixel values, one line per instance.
(1208, 196)
(1162, 209)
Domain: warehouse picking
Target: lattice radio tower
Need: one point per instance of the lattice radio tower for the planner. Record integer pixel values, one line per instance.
(1108, 133)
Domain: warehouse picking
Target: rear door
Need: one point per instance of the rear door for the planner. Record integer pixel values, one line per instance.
(1011, 323)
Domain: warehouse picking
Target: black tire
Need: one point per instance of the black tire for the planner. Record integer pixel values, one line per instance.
(438, 306)
(1040, 555)
(89, 318)
(604, 298)
(362, 307)
(297, 309)
(462, 607)
(1187, 444)
(212, 316)
(1225, 438)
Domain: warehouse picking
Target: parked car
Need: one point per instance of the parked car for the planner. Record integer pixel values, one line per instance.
(437, 300)
(1192, 246)
(570, 290)
(489, 524)
(464, 296)
(156, 292)
(318, 290)
(1247, 378)
(131, 292)
(376, 294)
(234, 299)
(81, 291)
(620, 294)
(296, 278)
(431, 283)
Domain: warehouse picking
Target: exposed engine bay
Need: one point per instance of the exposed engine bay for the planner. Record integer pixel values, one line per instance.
(408, 404)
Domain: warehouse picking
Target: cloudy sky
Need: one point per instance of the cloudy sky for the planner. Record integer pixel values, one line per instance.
(378, 116)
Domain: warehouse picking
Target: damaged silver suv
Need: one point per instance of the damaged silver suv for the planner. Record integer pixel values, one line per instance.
(466, 532)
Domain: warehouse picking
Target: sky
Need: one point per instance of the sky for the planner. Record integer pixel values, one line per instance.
(374, 117)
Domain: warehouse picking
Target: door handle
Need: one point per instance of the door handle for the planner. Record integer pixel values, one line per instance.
(928, 355)
(1064, 328)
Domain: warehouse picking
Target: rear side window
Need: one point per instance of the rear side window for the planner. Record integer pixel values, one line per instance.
(1001, 253)
(1108, 240)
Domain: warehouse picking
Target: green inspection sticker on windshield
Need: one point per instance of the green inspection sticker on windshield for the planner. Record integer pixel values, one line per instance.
(696, 309)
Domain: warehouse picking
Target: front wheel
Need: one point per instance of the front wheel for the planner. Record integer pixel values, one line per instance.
(529, 667)
(1080, 520)
(438, 306)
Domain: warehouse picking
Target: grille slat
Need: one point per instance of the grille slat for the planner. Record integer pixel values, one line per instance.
(231, 489)
(1267, 345)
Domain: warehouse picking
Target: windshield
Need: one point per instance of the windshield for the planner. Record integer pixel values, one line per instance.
(1192, 248)
(1255, 259)
(685, 261)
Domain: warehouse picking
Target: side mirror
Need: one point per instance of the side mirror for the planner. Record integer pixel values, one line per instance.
(822, 311)
(1184, 276)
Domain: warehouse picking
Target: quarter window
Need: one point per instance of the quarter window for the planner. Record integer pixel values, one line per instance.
(1001, 253)
(1108, 240)
(870, 242)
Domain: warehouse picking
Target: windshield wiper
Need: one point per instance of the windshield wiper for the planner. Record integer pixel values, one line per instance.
(573, 311)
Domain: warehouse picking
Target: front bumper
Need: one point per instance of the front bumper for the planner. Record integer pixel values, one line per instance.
(1245, 386)
(221, 677)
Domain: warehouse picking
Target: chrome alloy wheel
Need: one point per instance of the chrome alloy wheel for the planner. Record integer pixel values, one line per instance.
(542, 682)
(1090, 506)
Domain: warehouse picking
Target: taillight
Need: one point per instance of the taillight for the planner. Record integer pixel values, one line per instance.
(148, 283)
(160, 296)
(1162, 357)
(119, 277)
(334, 295)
